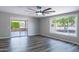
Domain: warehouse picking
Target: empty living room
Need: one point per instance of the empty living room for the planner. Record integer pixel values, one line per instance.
(39, 28)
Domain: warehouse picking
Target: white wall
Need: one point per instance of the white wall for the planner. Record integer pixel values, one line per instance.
(33, 26)
(4, 25)
(5, 19)
(44, 29)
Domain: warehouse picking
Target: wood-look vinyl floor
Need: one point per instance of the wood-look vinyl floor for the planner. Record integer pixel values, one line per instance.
(36, 44)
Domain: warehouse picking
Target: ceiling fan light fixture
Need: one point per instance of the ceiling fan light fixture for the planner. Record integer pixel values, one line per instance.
(39, 14)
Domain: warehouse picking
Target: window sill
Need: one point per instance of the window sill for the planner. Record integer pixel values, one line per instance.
(67, 34)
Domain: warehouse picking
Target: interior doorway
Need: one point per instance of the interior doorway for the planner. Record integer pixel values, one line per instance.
(18, 28)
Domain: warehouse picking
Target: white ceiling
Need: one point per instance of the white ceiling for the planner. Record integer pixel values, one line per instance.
(24, 10)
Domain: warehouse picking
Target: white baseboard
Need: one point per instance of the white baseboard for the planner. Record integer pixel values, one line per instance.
(32, 34)
(4, 37)
(61, 39)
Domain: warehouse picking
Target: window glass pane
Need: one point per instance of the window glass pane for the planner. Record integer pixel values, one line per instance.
(64, 25)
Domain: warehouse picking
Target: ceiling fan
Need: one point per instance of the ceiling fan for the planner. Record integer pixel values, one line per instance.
(39, 10)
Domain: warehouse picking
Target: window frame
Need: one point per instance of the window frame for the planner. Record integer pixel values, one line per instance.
(76, 24)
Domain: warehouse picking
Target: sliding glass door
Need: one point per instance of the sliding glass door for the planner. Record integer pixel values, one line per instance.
(18, 28)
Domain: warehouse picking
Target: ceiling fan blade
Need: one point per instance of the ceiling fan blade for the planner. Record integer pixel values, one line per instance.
(32, 9)
(29, 11)
(47, 9)
(48, 12)
(38, 7)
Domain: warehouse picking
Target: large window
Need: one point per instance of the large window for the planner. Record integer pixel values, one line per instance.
(64, 25)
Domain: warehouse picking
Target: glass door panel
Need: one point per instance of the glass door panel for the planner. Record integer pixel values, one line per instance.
(22, 28)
